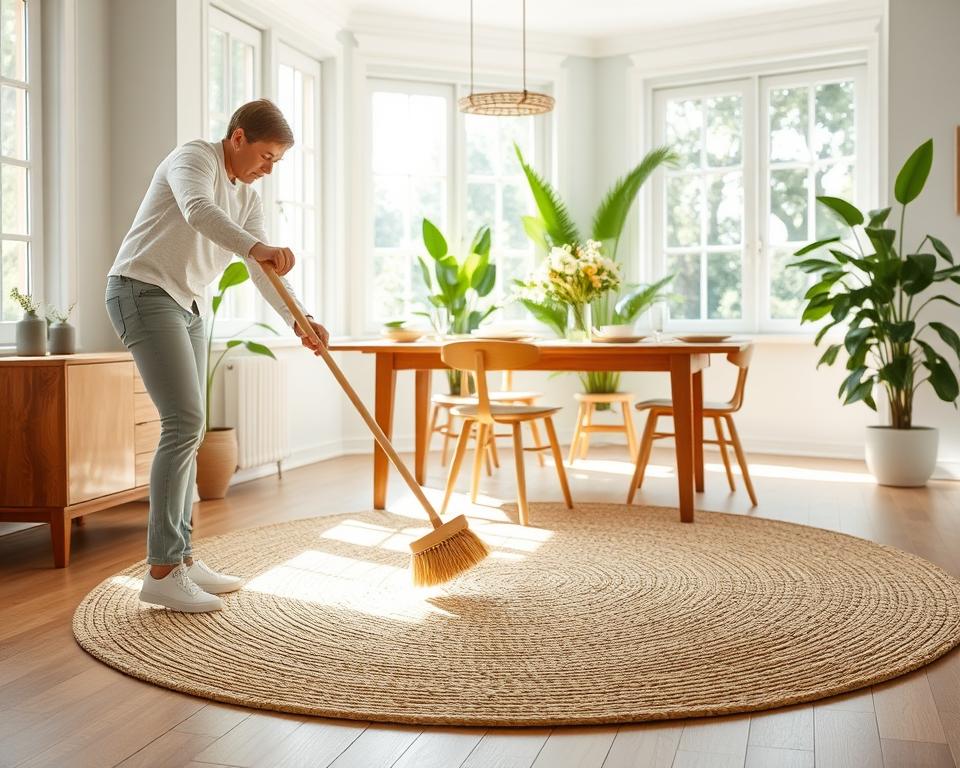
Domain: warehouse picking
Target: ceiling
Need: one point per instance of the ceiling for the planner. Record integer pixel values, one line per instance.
(591, 18)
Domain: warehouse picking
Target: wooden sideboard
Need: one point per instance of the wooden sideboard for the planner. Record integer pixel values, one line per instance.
(77, 435)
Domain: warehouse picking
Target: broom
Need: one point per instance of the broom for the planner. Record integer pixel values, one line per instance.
(450, 548)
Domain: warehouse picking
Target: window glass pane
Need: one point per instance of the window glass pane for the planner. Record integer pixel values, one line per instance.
(683, 211)
(13, 180)
(481, 144)
(789, 120)
(834, 131)
(481, 206)
(13, 274)
(835, 180)
(13, 129)
(390, 283)
(788, 206)
(427, 198)
(242, 74)
(13, 39)
(724, 208)
(685, 284)
(684, 129)
(427, 145)
(290, 224)
(389, 115)
(724, 130)
(390, 199)
(723, 285)
(217, 57)
(514, 130)
(787, 286)
(514, 206)
(309, 177)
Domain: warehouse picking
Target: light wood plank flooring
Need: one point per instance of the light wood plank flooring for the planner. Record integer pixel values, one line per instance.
(59, 707)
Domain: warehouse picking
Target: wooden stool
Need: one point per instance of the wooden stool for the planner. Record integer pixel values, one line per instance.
(588, 402)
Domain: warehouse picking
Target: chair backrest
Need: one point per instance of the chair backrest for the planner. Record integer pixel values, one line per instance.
(741, 358)
(478, 357)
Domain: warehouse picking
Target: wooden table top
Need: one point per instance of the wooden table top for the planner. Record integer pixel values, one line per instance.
(552, 346)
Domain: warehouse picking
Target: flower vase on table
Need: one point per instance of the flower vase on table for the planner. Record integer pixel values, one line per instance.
(579, 322)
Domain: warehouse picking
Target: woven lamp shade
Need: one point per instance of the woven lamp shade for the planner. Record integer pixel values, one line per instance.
(506, 103)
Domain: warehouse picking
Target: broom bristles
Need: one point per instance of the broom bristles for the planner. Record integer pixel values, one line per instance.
(448, 558)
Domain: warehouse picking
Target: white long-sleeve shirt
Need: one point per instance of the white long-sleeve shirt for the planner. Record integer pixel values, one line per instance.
(190, 223)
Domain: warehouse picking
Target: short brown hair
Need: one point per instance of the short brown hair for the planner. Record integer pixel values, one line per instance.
(261, 120)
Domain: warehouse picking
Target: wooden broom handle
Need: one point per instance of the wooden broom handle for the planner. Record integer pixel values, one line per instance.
(378, 434)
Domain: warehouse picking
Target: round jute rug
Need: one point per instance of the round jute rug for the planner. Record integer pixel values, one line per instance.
(603, 614)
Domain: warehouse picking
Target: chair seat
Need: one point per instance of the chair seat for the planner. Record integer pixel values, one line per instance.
(603, 397)
(507, 413)
(665, 404)
(452, 400)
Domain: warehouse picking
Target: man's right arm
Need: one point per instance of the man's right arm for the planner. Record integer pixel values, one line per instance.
(191, 176)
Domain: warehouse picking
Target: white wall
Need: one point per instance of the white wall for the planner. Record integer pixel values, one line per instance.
(923, 55)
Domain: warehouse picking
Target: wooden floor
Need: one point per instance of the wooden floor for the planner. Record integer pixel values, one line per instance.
(59, 707)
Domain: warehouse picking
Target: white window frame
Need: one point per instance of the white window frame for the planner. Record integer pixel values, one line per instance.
(290, 56)
(35, 255)
(755, 282)
(452, 87)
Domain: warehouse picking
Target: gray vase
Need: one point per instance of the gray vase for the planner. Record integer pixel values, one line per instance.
(63, 339)
(31, 335)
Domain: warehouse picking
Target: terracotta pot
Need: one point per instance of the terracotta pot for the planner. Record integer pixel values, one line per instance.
(216, 462)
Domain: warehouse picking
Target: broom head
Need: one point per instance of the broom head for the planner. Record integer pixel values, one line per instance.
(446, 552)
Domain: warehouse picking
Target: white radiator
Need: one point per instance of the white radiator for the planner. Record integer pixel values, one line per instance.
(255, 403)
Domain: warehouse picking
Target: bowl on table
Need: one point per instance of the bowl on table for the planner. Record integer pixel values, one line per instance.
(401, 334)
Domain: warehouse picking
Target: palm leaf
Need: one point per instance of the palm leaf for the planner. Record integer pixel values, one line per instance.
(554, 316)
(559, 227)
(613, 211)
(639, 298)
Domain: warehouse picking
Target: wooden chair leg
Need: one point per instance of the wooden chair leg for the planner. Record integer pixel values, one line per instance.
(722, 442)
(493, 447)
(461, 449)
(576, 436)
(431, 429)
(741, 459)
(585, 434)
(521, 478)
(478, 461)
(536, 441)
(558, 461)
(646, 444)
(447, 436)
(488, 465)
(628, 426)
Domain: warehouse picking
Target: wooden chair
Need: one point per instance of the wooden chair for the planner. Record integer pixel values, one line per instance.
(588, 403)
(447, 427)
(478, 357)
(718, 412)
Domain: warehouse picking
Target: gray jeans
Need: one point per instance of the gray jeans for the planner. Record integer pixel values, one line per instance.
(167, 344)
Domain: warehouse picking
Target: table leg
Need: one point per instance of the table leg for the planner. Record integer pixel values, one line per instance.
(421, 409)
(681, 386)
(698, 429)
(386, 379)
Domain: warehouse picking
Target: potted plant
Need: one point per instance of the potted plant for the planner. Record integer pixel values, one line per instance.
(555, 228)
(63, 337)
(217, 456)
(874, 289)
(31, 330)
(457, 288)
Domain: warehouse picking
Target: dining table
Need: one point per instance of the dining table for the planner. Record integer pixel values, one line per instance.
(684, 361)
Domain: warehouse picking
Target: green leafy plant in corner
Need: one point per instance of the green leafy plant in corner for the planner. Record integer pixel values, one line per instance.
(235, 274)
(555, 227)
(873, 288)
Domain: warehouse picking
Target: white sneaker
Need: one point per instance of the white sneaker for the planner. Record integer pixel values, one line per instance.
(177, 591)
(210, 581)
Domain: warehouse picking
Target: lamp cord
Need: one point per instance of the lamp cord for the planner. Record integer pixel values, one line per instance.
(524, 46)
(471, 47)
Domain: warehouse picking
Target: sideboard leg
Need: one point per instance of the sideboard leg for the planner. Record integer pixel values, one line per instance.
(60, 537)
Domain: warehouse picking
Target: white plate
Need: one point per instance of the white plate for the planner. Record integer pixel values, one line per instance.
(703, 338)
(495, 335)
(618, 339)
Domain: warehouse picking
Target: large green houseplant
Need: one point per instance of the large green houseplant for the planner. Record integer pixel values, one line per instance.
(217, 456)
(876, 291)
(554, 227)
(457, 289)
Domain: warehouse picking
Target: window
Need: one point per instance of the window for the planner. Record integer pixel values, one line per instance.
(461, 172)
(726, 225)
(233, 55)
(19, 143)
(296, 198)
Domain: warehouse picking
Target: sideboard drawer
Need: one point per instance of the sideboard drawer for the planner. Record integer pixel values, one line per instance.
(144, 462)
(144, 409)
(146, 436)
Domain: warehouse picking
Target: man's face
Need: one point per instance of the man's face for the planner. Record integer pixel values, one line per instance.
(253, 160)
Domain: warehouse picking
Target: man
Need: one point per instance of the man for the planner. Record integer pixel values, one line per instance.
(198, 211)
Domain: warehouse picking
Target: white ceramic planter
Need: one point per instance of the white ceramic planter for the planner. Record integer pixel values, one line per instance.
(902, 457)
